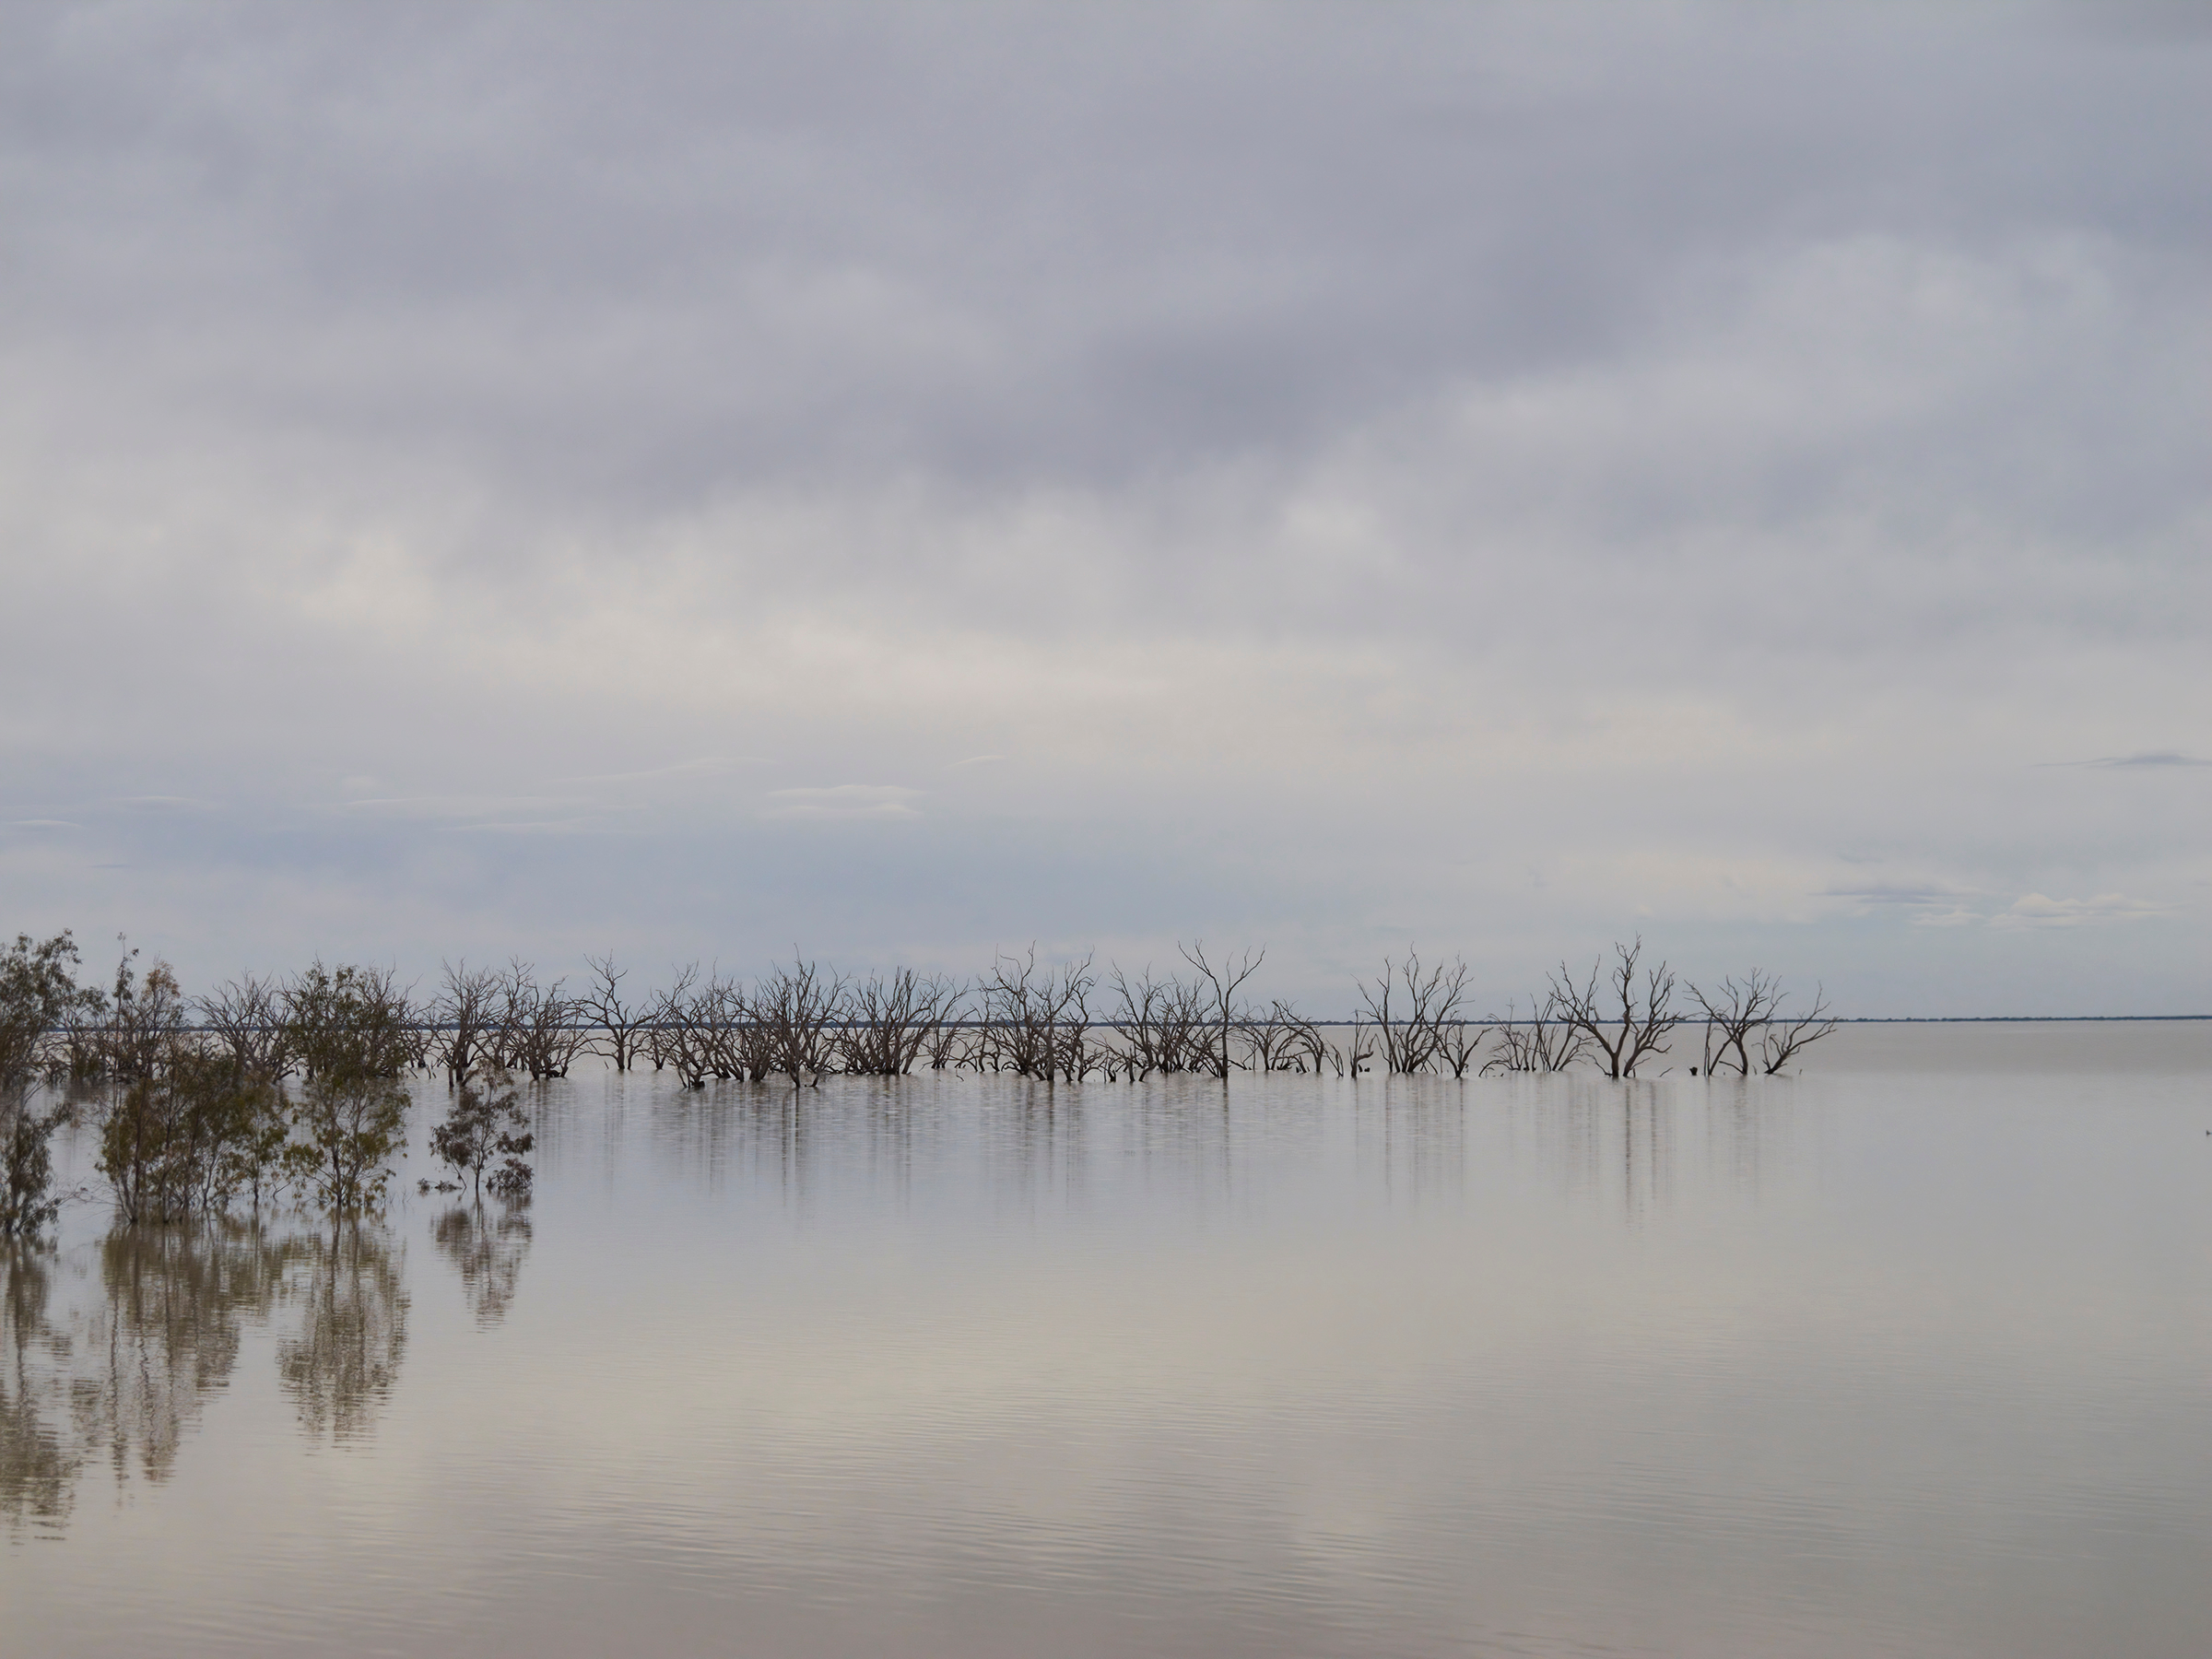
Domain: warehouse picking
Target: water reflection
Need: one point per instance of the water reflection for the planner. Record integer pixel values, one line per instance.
(1413, 1139)
(37, 1464)
(1748, 1126)
(489, 1251)
(1300, 1367)
(341, 1363)
(111, 1355)
(167, 1333)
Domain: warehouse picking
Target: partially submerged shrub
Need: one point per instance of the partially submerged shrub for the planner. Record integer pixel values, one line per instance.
(486, 1131)
(191, 1137)
(39, 997)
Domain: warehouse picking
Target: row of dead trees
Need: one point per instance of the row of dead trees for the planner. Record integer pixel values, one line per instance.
(1059, 1021)
(1623, 1014)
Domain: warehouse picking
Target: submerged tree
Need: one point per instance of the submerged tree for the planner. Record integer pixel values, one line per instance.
(246, 1015)
(350, 1022)
(1224, 980)
(354, 1034)
(1737, 1014)
(39, 995)
(1783, 1038)
(191, 1137)
(462, 1017)
(1628, 1019)
(1418, 1015)
(1164, 1025)
(623, 1026)
(1035, 1019)
(1545, 1042)
(487, 1125)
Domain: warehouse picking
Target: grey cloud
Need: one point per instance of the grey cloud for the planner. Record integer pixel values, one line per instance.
(658, 252)
(1906, 895)
(2151, 758)
(1352, 458)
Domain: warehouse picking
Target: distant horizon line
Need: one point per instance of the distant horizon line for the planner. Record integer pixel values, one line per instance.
(197, 1029)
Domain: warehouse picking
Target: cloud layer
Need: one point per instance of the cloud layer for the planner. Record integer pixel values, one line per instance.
(917, 479)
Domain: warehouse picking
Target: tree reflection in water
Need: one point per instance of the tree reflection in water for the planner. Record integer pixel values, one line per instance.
(488, 1252)
(123, 1375)
(341, 1363)
(38, 1463)
(168, 1333)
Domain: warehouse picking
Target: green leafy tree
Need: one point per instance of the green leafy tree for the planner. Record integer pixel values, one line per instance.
(39, 995)
(187, 1138)
(486, 1124)
(349, 1021)
(352, 1032)
(345, 1132)
(253, 1155)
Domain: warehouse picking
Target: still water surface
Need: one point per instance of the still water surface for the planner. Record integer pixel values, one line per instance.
(1911, 1355)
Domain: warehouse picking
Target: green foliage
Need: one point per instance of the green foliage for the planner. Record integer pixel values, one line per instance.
(348, 1128)
(349, 1023)
(143, 1028)
(39, 994)
(352, 1033)
(487, 1123)
(189, 1137)
(25, 1206)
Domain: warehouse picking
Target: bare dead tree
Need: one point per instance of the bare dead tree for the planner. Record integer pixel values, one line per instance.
(1161, 1025)
(1784, 1038)
(1065, 1004)
(1225, 983)
(798, 1009)
(513, 996)
(1462, 1047)
(1013, 1024)
(550, 1030)
(1314, 1051)
(948, 1044)
(892, 1018)
(719, 1034)
(1732, 1014)
(1629, 1019)
(1359, 1051)
(246, 1015)
(1543, 1042)
(622, 1025)
(674, 1039)
(1281, 1038)
(1412, 1011)
(1031, 1015)
(464, 1013)
(1270, 1036)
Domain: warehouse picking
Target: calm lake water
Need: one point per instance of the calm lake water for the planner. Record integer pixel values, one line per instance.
(1910, 1355)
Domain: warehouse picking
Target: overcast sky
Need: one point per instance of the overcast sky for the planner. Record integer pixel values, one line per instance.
(490, 479)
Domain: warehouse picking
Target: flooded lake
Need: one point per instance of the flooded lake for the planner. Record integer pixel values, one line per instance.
(1910, 1355)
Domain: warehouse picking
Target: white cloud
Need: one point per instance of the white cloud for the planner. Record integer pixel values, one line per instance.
(2033, 910)
(844, 800)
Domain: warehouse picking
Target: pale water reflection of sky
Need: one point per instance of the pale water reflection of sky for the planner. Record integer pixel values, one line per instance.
(493, 479)
(1905, 1355)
